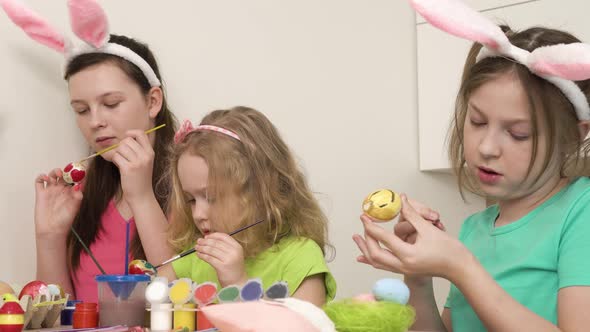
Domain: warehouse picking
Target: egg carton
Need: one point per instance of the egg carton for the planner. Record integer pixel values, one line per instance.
(41, 311)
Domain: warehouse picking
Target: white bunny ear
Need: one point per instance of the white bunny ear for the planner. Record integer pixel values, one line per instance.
(569, 61)
(456, 18)
(89, 22)
(33, 25)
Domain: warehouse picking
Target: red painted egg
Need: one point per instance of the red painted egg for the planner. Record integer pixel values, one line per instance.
(34, 288)
(12, 317)
(74, 173)
(139, 266)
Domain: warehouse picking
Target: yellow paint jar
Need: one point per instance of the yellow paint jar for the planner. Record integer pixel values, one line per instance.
(184, 318)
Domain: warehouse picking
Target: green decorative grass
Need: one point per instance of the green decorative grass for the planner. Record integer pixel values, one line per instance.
(359, 316)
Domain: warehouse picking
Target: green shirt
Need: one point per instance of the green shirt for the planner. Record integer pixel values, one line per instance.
(533, 257)
(291, 259)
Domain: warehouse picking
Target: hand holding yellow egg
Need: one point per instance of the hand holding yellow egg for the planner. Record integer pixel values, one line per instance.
(382, 205)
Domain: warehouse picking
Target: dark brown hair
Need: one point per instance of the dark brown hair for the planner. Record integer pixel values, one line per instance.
(102, 181)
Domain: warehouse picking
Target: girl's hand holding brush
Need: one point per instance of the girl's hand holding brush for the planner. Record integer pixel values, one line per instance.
(135, 159)
(75, 172)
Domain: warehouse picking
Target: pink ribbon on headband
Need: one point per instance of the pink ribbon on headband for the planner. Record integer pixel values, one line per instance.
(187, 128)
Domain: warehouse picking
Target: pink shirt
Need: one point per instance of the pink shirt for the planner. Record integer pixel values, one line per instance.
(109, 249)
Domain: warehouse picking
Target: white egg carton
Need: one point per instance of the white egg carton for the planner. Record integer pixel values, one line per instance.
(41, 312)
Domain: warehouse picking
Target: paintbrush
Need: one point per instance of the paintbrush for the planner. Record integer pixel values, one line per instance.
(190, 251)
(87, 250)
(114, 146)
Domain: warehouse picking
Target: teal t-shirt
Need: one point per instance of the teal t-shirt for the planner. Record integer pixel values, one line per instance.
(292, 260)
(533, 257)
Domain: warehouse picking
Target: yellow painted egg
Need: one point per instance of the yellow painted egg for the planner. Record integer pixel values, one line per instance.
(382, 205)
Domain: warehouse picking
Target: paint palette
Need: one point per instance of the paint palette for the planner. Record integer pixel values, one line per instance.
(278, 290)
(181, 291)
(205, 294)
(252, 291)
(229, 294)
(175, 296)
(184, 290)
(157, 291)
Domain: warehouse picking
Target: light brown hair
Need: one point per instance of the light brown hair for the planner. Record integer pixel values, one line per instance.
(258, 175)
(549, 109)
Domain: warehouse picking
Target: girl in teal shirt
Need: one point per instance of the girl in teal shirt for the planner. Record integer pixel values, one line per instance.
(518, 139)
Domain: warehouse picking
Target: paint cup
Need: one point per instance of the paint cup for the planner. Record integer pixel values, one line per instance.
(121, 299)
(67, 314)
(202, 322)
(184, 318)
(85, 315)
(161, 317)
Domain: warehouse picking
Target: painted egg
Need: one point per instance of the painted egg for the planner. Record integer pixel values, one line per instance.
(12, 317)
(55, 290)
(74, 173)
(391, 290)
(365, 298)
(139, 266)
(5, 288)
(382, 205)
(33, 289)
(9, 297)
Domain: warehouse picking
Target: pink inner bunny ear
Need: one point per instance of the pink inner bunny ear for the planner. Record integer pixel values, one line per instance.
(569, 61)
(33, 25)
(454, 17)
(89, 22)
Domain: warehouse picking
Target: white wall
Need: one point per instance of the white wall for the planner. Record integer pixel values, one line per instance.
(337, 77)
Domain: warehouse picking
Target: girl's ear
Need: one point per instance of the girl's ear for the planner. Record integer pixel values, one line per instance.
(155, 99)
(584, 128)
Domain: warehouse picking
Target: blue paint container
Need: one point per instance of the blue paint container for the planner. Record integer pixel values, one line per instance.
(67, 313)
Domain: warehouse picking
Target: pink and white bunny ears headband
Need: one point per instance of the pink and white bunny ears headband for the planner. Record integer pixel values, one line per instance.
(187, 128)
(559, 64)
(89, 23)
